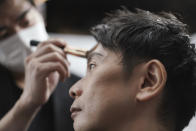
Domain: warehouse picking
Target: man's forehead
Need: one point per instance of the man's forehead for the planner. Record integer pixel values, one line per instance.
(98, 48)
(106, 53)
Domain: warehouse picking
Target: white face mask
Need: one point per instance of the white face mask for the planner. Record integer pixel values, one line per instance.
(16, 48)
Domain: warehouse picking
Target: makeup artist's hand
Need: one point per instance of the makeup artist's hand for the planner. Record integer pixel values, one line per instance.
(43, 70)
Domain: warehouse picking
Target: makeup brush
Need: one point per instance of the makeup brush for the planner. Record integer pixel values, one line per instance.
(70, 49)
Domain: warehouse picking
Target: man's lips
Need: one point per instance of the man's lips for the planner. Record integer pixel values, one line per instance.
(74, 111)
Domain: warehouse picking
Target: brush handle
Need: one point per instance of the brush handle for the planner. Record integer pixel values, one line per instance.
(70, 50)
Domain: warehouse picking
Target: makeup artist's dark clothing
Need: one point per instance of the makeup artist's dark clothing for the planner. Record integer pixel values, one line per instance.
(54, 116)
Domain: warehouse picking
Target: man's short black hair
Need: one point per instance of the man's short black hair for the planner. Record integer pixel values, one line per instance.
(140, 36)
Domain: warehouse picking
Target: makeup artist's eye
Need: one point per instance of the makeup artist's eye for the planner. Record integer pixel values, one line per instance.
(3, 34)
(26, 19)
(24, 23)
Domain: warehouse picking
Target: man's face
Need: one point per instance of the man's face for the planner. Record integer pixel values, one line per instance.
(103, 99)
(16, 15)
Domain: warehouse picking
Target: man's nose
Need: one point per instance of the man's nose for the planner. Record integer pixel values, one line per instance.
(76, 90)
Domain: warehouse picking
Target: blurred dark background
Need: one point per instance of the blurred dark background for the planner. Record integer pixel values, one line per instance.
(77, 16)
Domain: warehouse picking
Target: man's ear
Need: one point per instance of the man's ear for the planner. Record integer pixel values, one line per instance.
(154, 77)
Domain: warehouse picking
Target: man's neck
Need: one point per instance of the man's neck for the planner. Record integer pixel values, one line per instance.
(144, 119)
(144, 124)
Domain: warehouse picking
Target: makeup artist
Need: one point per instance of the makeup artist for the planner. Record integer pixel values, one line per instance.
(19, 103)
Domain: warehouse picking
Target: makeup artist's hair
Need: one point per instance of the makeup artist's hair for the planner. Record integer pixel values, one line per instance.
(30, 1)
(2, 2)
(141, 36)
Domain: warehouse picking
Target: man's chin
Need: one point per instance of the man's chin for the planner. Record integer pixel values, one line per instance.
(78, 124)
(81, 125)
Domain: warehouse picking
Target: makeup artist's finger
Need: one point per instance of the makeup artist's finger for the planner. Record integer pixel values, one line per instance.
(54, 57)
(58, 42)
(50, 67)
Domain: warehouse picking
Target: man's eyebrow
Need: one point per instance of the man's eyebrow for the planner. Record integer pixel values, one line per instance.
(22, 15)
(92, 54)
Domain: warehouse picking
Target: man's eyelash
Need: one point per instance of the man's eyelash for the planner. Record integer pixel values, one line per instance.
(91, 65)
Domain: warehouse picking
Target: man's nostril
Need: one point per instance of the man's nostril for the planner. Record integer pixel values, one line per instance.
(73, 94)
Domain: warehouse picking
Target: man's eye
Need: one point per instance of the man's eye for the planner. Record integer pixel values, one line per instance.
(92, 66)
